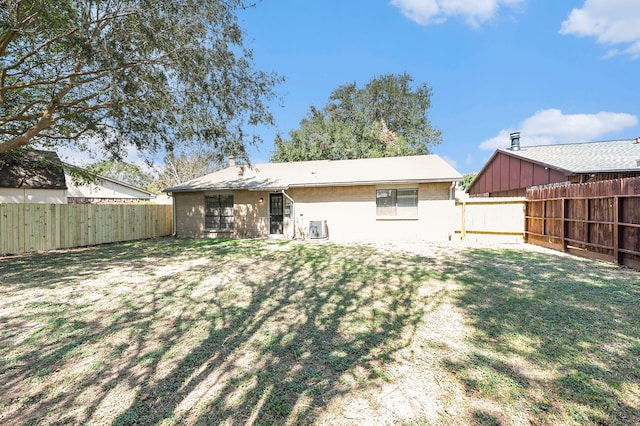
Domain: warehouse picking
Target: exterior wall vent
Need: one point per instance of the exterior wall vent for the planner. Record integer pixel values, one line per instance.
(318, 229)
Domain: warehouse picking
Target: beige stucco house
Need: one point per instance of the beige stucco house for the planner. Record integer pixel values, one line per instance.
(380, 199)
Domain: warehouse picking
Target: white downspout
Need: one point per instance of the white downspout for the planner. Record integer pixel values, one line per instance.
(452, 197)
(175, 223)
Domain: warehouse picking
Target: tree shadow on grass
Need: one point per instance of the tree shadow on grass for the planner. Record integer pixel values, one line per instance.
(324, 313)
(252, 331)
(555, 336)
(52, 268)
(208, 331)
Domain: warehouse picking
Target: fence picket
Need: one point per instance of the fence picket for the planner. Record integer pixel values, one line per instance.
(602, 219)
(27, 228)
(491, 219)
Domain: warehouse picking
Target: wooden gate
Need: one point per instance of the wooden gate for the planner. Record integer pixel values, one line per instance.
(599, 219)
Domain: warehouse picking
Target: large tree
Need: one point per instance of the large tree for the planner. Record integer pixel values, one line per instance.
(144, 72)
(387, 117)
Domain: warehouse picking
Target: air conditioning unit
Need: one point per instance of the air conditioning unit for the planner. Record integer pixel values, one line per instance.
(318, 229)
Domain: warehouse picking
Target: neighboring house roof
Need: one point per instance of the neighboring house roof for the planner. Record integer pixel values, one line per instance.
(370, 171)
(112, 180)
(590, 157)
(31, 169)
(125, 184)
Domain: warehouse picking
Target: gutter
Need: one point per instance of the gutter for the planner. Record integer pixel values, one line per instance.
(281, 188)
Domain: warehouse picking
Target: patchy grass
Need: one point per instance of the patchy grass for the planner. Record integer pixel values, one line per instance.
(554, 337)
(175, 332)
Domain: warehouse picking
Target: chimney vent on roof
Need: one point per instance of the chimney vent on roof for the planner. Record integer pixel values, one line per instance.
(515, 141)
(232, 162)
(638, 139)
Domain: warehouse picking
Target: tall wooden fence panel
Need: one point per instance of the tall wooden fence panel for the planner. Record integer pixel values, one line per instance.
(491, 219)
(599, 219)
(26, 228)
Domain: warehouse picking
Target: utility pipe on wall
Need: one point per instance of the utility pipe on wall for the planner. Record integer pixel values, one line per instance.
(175, 224)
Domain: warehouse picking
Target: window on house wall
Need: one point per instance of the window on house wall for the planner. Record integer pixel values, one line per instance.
(218, 212)
(397, 202)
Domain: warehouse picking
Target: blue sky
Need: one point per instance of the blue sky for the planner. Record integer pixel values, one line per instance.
(557, 71)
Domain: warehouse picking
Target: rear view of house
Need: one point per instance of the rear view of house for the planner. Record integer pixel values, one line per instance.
(379, 199)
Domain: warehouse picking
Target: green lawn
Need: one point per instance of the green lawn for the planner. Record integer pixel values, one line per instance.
(257, 332)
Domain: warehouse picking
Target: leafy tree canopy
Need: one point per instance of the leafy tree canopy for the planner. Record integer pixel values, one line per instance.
(467, 179)
(150, 73)
(386, 118)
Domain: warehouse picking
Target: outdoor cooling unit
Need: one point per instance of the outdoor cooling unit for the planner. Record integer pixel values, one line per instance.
(317, 229)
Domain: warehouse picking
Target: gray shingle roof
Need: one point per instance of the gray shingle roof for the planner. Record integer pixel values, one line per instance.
(590, 157)
(31, 169)
(276, 176)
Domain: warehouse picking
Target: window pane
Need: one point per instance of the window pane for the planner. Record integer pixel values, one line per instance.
(407, 197)
(211, 222)
(386, 202)
(411, 211)
(397, 202)
(226, 201)
(218, 212)
(407, 202)
(226, 222)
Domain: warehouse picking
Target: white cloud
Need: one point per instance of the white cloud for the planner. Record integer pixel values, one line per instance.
(611, 22)
(425, 12)
(551, 126)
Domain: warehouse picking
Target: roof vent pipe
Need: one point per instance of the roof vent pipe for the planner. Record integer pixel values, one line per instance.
(515, 141)
(638, 139)
(232, 162)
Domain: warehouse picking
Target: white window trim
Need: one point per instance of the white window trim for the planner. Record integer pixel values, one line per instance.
(398, 187)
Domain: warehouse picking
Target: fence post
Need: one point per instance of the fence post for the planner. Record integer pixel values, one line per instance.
(587, 237)
(616, 229)
(544, 219)
(463, 231)
(564, 224)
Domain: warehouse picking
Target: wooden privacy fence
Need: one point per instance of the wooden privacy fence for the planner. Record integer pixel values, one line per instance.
(27, 228)
(491, 219)
(599, 219)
